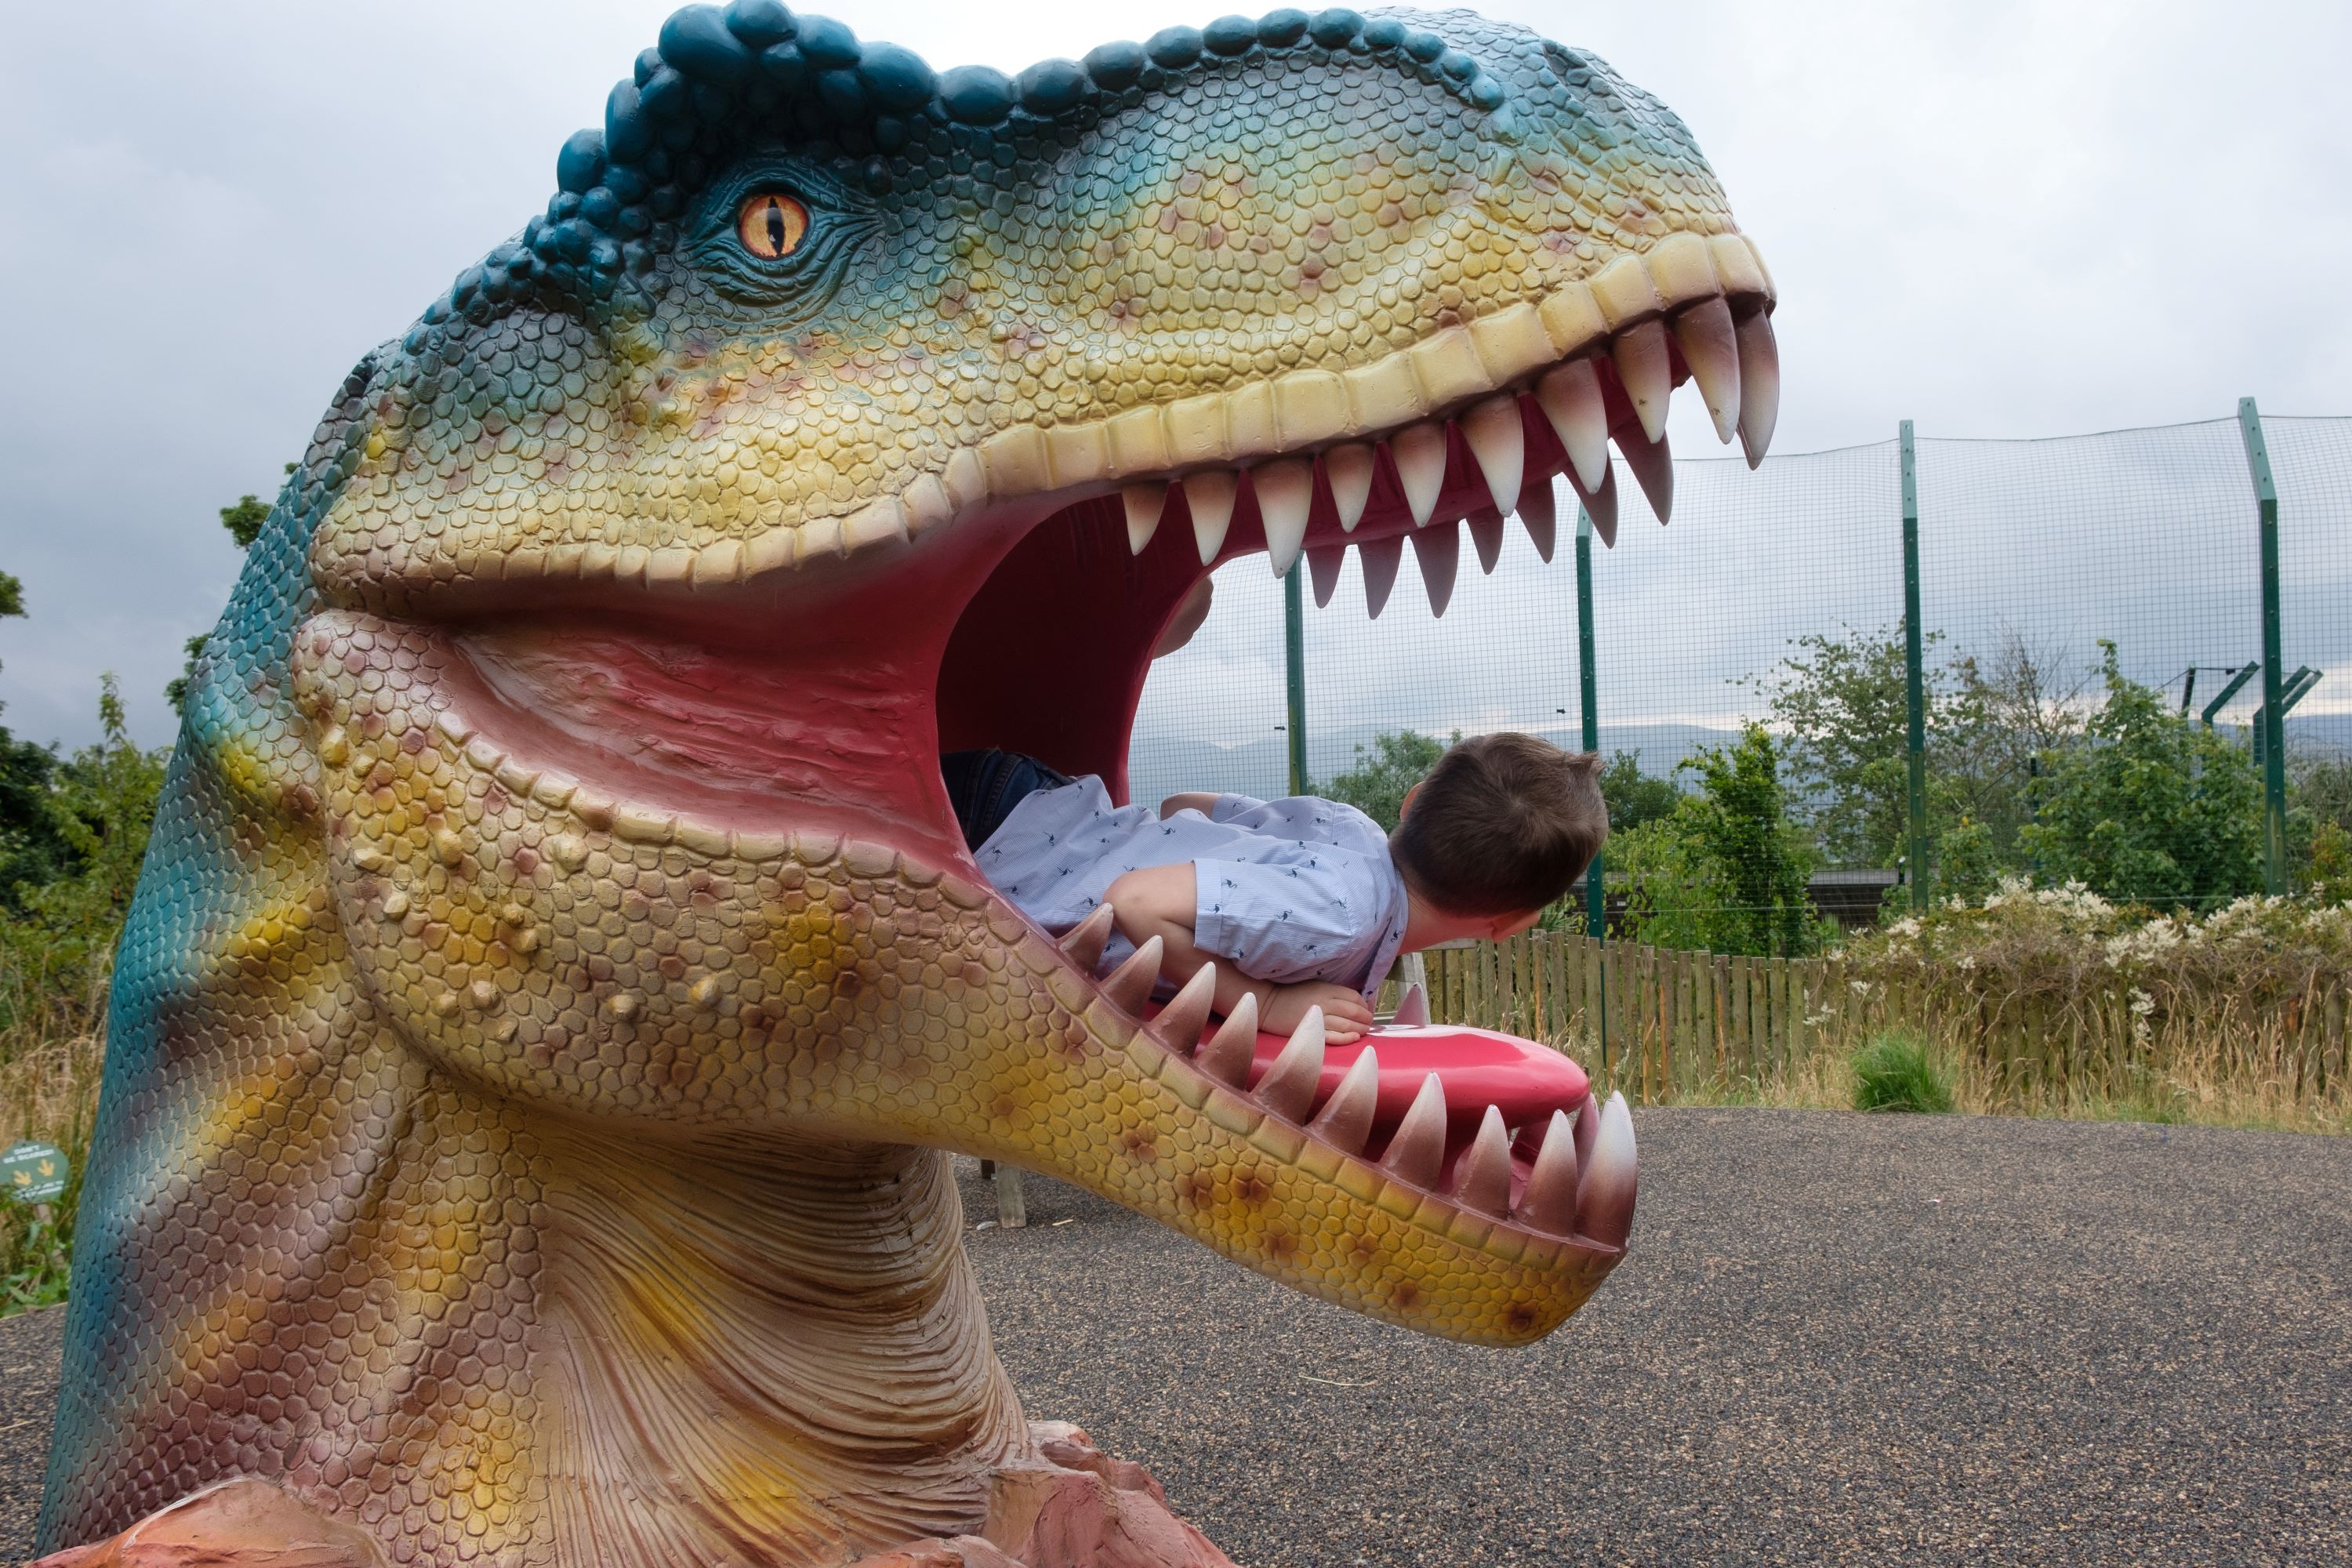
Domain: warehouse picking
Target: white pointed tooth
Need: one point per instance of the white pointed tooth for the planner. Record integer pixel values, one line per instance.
(1323, 563)
(1412, 1008)
(1549, 1203)
(1539, 515)
(1145, 504)
(1419, 451)
(1486, 526)
(1209, 495)
(1082, 945)
(1482, 1181)
(1180, 1023)
(1345, 1119)
(1130, 985)
(1570, 398)
(1417, 1152)
(1349, 470)
(1439, 552)
(1288, 1086)
(1604, 1198)
(1587, 1126)
(1379, 557)
(1653, 467)
(1760, 385)
(1647, 370)
(1600, 504)
(1231, 1050)
(1285, 493)
(1498, 441)
(1710, 349)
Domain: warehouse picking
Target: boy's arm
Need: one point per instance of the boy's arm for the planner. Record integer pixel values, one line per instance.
(1201, 801)
(1159, 900)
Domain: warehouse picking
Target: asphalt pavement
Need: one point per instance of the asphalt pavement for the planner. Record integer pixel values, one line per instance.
(1839, 1339)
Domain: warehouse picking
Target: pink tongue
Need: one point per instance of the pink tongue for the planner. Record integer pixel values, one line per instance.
(1476, 1068)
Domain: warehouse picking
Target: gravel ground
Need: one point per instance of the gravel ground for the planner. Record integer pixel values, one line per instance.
(1839, 1339)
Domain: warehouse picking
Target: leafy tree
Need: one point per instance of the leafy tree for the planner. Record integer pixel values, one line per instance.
(1376, 785)
(1634, 797)
(244, 520)
(1843, 701)
(31, 852)
(1725, 869)
(2150, 807)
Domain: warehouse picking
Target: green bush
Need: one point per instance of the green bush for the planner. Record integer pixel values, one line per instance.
(1894, 1073)
(2152, 809)
(1725, 869)
(1376, 785)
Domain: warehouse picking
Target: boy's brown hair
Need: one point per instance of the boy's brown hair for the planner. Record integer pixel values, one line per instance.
(1503, 824)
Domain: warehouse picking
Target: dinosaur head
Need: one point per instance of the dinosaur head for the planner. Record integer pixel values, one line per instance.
(837, 413)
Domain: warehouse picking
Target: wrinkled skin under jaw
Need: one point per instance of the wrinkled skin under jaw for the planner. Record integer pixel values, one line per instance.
(694, 869)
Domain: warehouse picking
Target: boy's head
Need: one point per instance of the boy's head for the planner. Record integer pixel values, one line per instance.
(1502, 825)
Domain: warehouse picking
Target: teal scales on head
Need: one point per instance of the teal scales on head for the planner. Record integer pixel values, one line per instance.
(556, 970)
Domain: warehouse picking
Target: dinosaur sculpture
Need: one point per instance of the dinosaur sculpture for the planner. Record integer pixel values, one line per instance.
(557, 979)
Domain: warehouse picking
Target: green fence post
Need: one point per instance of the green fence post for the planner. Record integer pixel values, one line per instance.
(1596, 897)
(1915, 684)
(2273, 717)
(1294, 668)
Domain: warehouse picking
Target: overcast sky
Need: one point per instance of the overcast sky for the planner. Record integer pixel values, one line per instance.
(1996, 219)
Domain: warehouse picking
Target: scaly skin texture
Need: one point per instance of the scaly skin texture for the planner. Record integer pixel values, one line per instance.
(556, 973)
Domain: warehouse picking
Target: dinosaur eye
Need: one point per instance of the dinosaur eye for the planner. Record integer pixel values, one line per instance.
(771, 225)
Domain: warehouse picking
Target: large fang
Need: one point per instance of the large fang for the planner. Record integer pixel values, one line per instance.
(1600, 505)
(1288, 1086)
(1648, 372)
(1482, 1182)
(1144, 505)
(1539, 516)
(1711, 351)
(1130, 985)
(1486, 526)
(1499, 443)
(1210, 494)
(1413, 1009)
(1234, 1047)
(1286, 491)
(1653, 467)
(1082, 943)
(1323, 563)
(1420, 454)
(1345, 1119)
(1439, 550)
(1418, 1148)
(1180, 1023)
(1570, 398)
(1549, 1203)
(1604, 1201)
(1760, 385)
(1379, 557)
(1349, 470)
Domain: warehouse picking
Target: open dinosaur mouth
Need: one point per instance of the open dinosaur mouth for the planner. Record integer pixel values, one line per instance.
(746, 714)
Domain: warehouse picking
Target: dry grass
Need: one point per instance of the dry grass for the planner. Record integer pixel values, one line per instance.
(52, 1045)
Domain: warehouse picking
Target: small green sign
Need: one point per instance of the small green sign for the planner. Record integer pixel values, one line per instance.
(33, 1173)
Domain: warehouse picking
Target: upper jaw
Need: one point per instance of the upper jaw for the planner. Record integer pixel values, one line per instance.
(1590, 361)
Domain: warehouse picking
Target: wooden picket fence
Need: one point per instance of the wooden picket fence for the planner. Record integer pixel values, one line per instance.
(1649, 1021)
(1660, 1023)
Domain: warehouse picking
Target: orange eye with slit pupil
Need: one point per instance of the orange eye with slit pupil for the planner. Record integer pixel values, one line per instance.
(771, 225)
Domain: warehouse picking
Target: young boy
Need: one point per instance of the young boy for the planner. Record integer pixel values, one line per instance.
(1305, 900)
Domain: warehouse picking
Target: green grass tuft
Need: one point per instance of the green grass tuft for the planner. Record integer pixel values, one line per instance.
(1894, 1073)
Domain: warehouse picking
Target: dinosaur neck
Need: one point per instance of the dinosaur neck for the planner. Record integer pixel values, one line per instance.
(769, 1358)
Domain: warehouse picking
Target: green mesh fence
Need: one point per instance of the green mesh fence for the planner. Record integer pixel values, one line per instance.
(2035, 556)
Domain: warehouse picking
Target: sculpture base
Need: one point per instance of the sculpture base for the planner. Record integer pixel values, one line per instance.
(1069, 1506)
